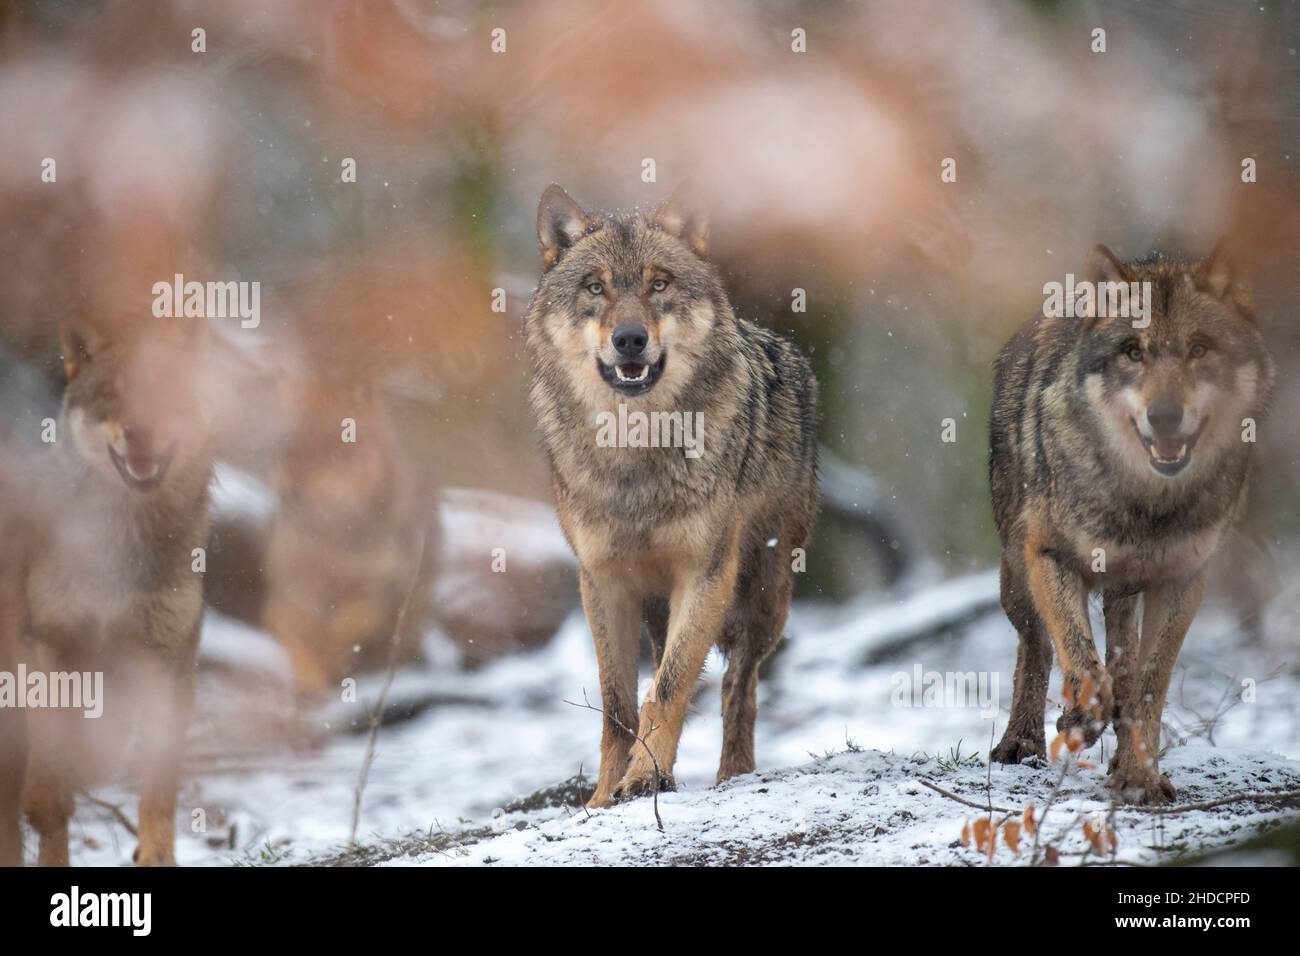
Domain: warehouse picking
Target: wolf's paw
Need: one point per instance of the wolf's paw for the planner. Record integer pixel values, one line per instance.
(600, 799)
(1016, 749)
(734, 768)
(155, 856)
(1140, 785)
(637, 782)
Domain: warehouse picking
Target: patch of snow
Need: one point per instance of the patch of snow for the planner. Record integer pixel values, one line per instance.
(839, 758)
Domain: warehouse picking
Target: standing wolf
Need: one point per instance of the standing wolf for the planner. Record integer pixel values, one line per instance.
(1119, 458)
(695, 543)
(102, 576)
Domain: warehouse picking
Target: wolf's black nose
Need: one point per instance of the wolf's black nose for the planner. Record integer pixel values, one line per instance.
(1165, 416)
(629, 340)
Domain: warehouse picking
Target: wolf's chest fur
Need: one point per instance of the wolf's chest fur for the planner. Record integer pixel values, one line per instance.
(115, 566)
(1117, 559)
(1118, 537)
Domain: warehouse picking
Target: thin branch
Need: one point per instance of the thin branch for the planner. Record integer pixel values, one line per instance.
(982, 807)
(581, 797)
(1047, 808)
(1285, 796)
(118, 814)
(659, 774)
(376, 716)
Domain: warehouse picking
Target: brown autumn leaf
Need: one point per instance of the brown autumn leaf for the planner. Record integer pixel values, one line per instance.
(1085, 765)
(1055, 750)
(1052, 855)
(1074, 742)
(980, 830)
(1031, 825)
(965, 834)
(1011, 836)
(1095, 837)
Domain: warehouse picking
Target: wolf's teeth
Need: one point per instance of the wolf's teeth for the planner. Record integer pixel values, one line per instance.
(1182, 453)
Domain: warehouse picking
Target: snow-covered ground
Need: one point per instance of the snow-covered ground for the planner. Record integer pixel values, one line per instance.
(842, 759)
(875, 808)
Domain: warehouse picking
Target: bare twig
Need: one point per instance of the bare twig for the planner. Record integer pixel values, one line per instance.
(118, 814)
(1047, 808)
(659, 774)
(393, 648)
(1285, 796)
(988, 775)
(983, 807)
(581, 797)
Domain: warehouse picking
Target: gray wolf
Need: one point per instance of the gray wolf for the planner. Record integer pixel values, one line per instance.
(1119, 459)
(100, 576)
(700, 550)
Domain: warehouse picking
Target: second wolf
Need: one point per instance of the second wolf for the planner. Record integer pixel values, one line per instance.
(97, 576)
(699, 545)
(1119, 459)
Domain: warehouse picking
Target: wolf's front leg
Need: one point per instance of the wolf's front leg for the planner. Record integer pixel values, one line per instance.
(698, 610)
(57, 751)
(1061, 600)
(1024, 737)
(164, 680)
(1122, 659)
(13, 730)
(13, 771)
(1135, 776)
(614, 615)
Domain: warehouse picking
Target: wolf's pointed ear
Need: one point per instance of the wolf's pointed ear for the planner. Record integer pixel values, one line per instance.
(560, 223)
(1220, 275)
(1104, 266)
(1101, 266)
(681, 216)
(79, 343)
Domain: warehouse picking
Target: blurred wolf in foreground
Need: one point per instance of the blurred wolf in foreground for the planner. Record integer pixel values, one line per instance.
(1119, 459)
(699, 549)
(98, 577)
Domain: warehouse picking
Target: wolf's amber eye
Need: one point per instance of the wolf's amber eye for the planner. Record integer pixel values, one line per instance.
(595, 288)
(1198, 351)
(1134, 353)
(659, 285)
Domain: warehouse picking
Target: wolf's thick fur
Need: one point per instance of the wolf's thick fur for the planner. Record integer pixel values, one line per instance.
(103, 581)
(1117, 464)
(697, 549)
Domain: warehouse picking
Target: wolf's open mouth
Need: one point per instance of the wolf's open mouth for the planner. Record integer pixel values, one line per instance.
(1169, 456)
(632, 378)
(143, 475)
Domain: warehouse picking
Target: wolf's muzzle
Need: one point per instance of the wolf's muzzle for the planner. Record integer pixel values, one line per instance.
(631, 377)
(140, 467)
